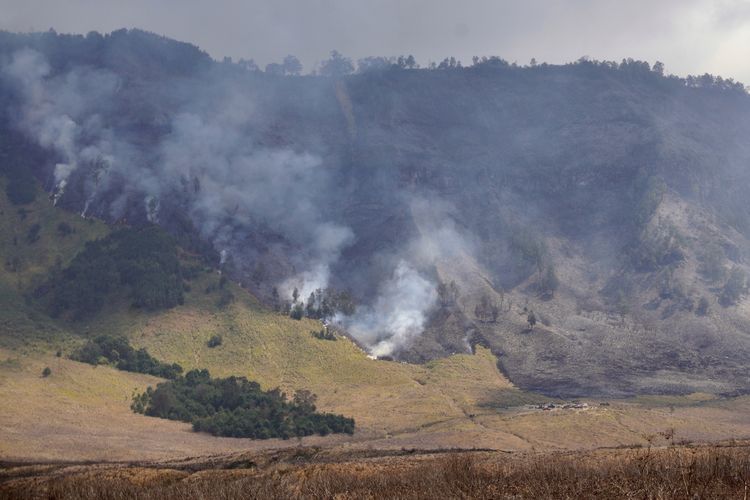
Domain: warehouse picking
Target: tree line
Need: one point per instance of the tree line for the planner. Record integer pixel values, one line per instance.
(118, 352)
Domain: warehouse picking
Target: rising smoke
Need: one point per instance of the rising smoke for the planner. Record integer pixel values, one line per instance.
(228, 182)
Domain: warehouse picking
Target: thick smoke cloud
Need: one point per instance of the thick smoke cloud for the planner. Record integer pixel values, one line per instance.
(229, 183)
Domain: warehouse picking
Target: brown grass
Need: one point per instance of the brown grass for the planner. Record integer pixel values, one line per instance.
(668, 472)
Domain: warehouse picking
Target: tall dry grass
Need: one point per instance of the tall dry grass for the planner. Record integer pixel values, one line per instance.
(672, 472)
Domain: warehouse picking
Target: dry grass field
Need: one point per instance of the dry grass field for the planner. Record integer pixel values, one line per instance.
(664, 472)
(82, 412)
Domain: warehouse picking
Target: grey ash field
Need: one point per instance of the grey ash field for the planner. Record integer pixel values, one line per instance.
(509, 238)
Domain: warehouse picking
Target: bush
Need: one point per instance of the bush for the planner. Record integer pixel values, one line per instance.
(214, 341)
(46, 372)
(325, 333)
(237, 407)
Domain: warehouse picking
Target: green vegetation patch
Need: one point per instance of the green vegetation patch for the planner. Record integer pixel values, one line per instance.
(142, 260)
(237, 407)
(117, 351)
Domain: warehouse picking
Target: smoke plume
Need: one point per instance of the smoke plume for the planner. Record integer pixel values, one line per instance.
(214, 164)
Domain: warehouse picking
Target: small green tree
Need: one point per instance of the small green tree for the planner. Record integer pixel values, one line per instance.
(46, 372)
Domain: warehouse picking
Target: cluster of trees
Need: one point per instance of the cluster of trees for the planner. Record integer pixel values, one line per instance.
(320, 304)
(142, 260)
(237, 407)
(290, 66)
(117, 351)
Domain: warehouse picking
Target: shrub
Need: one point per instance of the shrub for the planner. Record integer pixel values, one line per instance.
(214, 341)
(325, 333)
(46, 372)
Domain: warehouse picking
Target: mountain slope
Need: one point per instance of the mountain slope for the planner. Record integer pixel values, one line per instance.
(607, 198)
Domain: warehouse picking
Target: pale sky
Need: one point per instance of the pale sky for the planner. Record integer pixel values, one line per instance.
(689, 36)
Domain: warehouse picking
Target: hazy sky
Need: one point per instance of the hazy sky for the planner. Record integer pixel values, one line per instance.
(689, 36)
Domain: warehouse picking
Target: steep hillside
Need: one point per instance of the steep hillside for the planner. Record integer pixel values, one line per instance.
(83, 412)
(77, 401)
(609, 199)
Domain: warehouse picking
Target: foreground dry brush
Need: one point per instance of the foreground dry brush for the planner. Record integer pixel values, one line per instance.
(668, 472)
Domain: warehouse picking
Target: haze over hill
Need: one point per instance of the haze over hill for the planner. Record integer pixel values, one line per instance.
(607, 198)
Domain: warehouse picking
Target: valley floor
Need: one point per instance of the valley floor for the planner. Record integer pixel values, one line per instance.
(82, 413)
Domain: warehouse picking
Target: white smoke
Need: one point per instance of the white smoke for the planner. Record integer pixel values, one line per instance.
(211, 147)
(239, 183)
(230, 180)
(58, 112)
(405, 301)
(398, 314)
